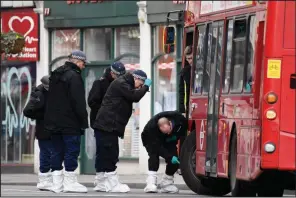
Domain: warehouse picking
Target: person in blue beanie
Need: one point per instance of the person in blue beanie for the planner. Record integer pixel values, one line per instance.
(110, 123)
(66, 119)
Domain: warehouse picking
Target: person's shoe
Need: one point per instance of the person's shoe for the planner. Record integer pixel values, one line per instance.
(71, 184)
(57, 181)
(45, 181)
(151, 186)
(113, 185)
(167, 185)
(100, 182)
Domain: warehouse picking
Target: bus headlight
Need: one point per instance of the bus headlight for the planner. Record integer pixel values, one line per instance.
(270, 114)
(269, 148)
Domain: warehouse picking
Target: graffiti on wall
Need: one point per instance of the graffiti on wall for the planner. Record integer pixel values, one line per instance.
(17, 137)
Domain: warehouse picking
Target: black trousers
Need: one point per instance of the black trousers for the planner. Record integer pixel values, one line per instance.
(153, 161)
(107, 151)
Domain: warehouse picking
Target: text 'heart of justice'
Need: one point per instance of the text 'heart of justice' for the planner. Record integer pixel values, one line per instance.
(21, 25)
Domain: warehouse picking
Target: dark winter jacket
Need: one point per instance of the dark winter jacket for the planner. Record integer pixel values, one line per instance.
(153, 139)
(117, 105)
(184, 88)
(97, 94)
(66, 107)
(36, 108)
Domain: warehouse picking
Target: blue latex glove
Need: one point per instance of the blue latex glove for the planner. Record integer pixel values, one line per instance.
(148, 82)
(175, 160)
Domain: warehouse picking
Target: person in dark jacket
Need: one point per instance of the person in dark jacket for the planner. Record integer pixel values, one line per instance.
(66, 119)
(110, 124)
(100, 87)
(35, 109)
(160, 137)
(184, 82)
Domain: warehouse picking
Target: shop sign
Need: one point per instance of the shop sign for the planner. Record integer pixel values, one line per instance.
(179, 2)
(85, 1)
(216, 6)
(27, 24)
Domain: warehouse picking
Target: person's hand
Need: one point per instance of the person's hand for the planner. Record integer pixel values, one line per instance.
(175, 160)
(184, 115)
(148, 82)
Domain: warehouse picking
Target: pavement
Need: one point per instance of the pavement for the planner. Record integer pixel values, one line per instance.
(137, 181)
(30, 191)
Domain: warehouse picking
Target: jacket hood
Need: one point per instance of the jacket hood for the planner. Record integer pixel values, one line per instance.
(129, 78)
(107, 74)
(45, 82)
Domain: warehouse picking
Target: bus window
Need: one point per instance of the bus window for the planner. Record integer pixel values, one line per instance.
(206, 75)
(250, 56)
(226, 75)
(239, 53)
(200, 60)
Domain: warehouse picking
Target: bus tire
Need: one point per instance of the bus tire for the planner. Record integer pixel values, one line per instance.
(269, 187)
(199, 185)
(238, 188)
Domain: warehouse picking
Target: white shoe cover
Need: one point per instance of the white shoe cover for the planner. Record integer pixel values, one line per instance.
(113, 185)
(151, 186)
(167, 185)
(71, 184)
(45, 181)
(57, 180)
(100, 182)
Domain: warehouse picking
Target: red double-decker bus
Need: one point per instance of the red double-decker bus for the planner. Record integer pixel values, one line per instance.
(242, 98)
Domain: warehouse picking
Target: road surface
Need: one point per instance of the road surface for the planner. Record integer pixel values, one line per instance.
(31, 191)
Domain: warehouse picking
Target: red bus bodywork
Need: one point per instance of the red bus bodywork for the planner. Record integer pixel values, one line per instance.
(274, 43)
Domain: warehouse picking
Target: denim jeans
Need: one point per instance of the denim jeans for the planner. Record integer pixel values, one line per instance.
(45, 147)
(66, 148)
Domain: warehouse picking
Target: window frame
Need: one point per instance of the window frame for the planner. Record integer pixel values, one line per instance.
(194, 59)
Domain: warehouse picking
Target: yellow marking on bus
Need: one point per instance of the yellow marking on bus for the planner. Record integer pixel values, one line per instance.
(274, 68)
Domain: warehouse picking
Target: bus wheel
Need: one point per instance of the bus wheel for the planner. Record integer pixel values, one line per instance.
(199, 185)
(188, 165)
(238, 188)
(269, 187)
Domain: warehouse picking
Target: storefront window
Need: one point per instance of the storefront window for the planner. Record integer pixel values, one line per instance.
(17, 131)
(127, 41)
(63, 43)
(165, 96)
(97, 44)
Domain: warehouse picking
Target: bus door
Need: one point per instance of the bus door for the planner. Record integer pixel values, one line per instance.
(213, 65)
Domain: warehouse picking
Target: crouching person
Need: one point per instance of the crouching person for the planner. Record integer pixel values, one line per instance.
(66, 119)
(110, 123)
(35, 109)
(160, 137)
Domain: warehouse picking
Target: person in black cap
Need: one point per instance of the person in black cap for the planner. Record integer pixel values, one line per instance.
(110, 123)
(35, 109)
(66, 120)
(100, 87)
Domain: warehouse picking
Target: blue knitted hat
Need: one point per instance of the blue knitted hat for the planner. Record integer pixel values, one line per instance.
(77, 54)
(140, 74)
(118, 68)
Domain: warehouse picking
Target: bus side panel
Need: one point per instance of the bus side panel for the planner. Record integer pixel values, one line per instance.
(200, 146)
